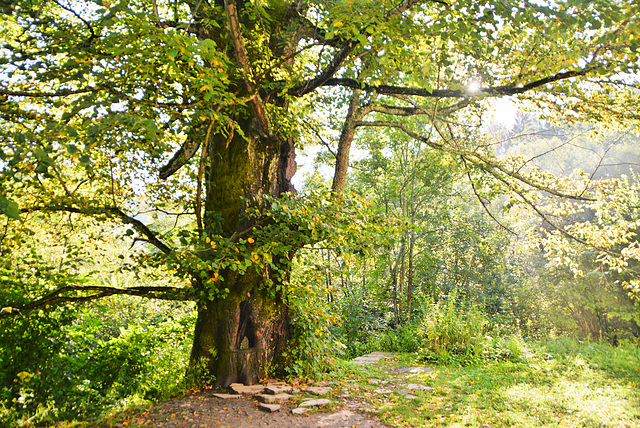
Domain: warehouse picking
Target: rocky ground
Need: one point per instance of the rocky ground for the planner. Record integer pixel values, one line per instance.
(274, 404)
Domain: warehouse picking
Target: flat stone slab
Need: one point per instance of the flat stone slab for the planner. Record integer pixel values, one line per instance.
(271, 408)
(239, 388)
(315, 403)
(412, 369)
(271, 398)
(383, 391)
(277, 388)
(370, 358)
(300, 410)
(414, 386)
(275, 383)
(227, 396)
(318, 390)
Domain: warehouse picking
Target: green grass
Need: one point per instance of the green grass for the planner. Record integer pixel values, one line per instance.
(561, 383)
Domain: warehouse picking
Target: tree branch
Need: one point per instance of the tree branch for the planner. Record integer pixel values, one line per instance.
(473, 186)
(113, 211)
(87, 42)
(454, 93)
(58, 297)
(416, 111)
(489, 165)
(60, 93)
(346, 48)
(241, 56)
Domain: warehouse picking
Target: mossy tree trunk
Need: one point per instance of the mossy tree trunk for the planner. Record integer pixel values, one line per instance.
(238, 337)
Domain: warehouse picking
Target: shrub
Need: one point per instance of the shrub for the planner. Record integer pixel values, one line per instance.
(313, 346)
(92, 368)
(404, 338)
(452, 327)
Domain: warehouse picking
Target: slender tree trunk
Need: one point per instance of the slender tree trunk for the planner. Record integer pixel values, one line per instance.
(394, 282)
(410, 273)
(401, 280)
(364, 274)
(344, 144)
(328, 280)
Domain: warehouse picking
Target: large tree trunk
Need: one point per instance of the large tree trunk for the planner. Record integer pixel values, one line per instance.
(239, 337)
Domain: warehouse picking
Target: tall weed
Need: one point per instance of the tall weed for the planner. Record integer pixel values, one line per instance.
(403, 338)
(453, 327)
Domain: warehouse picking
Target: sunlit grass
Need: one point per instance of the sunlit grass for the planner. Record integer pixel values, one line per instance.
(555, 384)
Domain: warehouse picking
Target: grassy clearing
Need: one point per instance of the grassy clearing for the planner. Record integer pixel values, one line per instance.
(560, 383)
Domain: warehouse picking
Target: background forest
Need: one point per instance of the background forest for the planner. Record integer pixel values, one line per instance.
(467, 196)
(457, 279)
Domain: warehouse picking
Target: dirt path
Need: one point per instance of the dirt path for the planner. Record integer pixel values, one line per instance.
(205, 409)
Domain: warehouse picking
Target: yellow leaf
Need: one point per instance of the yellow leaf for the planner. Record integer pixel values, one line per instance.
(25, 375)
(251, 240)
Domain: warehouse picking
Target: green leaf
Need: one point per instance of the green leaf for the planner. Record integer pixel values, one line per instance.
(72, 149)
(9, 208)
(72, 132)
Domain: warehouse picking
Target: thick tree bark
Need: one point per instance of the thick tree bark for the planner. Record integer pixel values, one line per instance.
(237, 339)
(241, 336)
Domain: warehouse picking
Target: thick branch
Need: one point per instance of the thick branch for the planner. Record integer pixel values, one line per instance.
(504, 90)
(241, 56)
(112, 90)
(346, 48)
(113, 211)
(60, 93)
(181, 157)
(87, 42)
(327, 73)
(98, 292)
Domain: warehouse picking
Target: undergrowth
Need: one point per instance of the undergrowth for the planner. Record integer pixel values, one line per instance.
(101, 363)
(560, 382)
